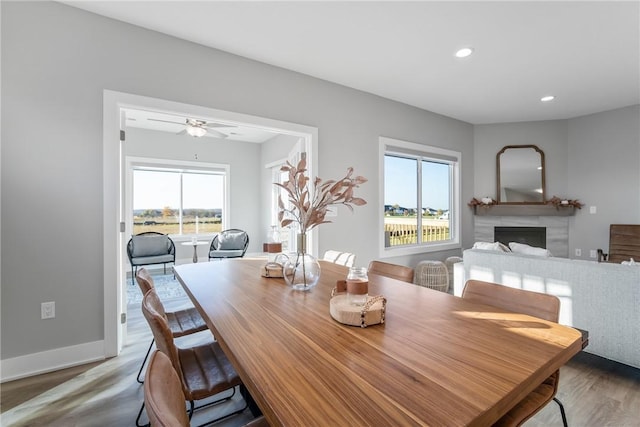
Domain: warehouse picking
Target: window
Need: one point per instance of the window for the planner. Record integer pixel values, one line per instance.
(285, 234)
(178, 201)
(420, 190)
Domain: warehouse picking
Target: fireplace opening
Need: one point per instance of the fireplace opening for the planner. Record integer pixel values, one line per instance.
(532, 236)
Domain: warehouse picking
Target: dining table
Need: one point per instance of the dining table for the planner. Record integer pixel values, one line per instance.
(437, 359)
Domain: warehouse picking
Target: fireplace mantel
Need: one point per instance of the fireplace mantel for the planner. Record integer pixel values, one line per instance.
(523, 210)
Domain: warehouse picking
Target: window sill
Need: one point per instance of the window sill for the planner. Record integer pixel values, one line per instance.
(413, 250)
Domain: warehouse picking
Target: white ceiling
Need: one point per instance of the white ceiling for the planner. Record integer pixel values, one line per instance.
(587, 54)
(163, 122)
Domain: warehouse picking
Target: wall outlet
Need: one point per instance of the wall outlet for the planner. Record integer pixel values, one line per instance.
(48, 310)
(578, 252)
(593, 209)
(593, 253)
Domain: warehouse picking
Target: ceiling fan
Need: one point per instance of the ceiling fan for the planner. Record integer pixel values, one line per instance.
(198, 128)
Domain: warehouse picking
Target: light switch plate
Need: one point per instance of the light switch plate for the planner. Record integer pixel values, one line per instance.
(592, 209)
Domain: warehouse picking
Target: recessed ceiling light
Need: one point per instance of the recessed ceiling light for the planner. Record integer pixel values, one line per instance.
(464, 52)
(547, 98)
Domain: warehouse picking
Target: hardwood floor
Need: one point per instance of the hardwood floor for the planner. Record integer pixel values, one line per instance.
(594, 391)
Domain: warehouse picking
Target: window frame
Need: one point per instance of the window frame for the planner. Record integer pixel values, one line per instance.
(403, 148)
(176, 166)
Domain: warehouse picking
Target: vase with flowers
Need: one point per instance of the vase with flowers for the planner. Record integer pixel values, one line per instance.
(308, 210)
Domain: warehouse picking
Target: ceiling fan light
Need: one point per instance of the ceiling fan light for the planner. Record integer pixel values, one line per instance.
(196, 131)
(464, 52)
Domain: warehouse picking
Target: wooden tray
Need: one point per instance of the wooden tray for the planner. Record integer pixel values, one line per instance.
(371, 313)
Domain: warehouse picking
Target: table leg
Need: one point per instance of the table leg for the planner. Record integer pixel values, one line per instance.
(195, 253)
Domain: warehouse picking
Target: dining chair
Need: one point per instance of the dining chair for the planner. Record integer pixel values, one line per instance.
(342, 258)
(164, 399)
(543, 306)
(204, 370)
(163, 396)
(182, 322)
(231, 243)
(395, 271)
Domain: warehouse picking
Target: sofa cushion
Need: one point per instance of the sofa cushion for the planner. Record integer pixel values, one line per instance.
(521, 248)
(149, 245)
(491, 246)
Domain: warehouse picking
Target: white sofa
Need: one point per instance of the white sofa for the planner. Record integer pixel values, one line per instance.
(602, 298)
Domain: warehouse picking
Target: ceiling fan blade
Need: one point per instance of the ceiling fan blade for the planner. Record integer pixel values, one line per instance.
(218, 125)
(182, 132)
(216, 133)
(165, 121)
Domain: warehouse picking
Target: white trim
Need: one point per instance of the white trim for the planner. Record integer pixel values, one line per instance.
(51, 360)
(113, 211)
(454, 243)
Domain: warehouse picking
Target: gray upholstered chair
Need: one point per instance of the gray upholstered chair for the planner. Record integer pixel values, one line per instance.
(230, 243)
(150, 248)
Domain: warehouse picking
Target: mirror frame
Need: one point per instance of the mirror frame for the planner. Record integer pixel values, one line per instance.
(542, 175)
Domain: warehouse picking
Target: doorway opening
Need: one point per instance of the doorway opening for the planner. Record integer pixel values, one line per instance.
(249, 196)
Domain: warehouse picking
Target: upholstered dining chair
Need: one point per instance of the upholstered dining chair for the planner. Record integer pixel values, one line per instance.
(150, 248)
(164, 399)
(342, 258)
(163, 396)
(395, 271)
(182, 322)
(231, 243)
(543, 306)
(204, 370)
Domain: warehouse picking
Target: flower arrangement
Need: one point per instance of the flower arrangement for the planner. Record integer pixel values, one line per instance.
(485, 201)
(309, 210)
(558, 202)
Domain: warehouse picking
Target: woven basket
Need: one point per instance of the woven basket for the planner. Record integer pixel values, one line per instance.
(449, 262)
(433, 275)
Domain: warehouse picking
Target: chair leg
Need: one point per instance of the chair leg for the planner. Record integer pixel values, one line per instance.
(133, 277)
(564, 416)
(138, 418)
(145, 361)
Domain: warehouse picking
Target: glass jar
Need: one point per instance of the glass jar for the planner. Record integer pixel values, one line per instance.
(357, 285)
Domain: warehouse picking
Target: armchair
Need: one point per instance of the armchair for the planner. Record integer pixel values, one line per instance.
(230, 243)
(150, 248)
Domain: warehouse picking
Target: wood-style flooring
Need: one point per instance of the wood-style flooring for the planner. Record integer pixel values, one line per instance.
(595, 391)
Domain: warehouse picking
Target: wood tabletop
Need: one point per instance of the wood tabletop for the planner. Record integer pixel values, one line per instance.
(437, 360)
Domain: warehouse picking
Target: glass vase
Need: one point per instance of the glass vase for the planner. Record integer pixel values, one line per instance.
(302, 270)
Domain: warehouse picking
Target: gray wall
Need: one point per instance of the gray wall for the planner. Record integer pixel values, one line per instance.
(604, 171)
(549, 136)
(56, 62)
(595, 159)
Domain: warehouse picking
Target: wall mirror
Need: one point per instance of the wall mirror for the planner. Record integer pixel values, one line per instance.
(520, 175)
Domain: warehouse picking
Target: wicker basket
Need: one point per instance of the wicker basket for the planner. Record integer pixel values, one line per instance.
(433, 275)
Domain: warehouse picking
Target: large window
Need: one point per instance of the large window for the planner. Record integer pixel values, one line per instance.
(178, 201)
(420, 193)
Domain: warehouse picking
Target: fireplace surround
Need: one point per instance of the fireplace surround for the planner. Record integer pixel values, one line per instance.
(556, 229)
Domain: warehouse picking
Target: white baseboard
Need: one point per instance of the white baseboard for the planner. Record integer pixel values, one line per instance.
(50, 360)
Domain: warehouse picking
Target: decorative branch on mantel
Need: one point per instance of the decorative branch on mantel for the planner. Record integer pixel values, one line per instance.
(485, 201)
(558, 202)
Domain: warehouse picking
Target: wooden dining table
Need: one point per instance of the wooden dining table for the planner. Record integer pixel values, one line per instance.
(436, 360)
